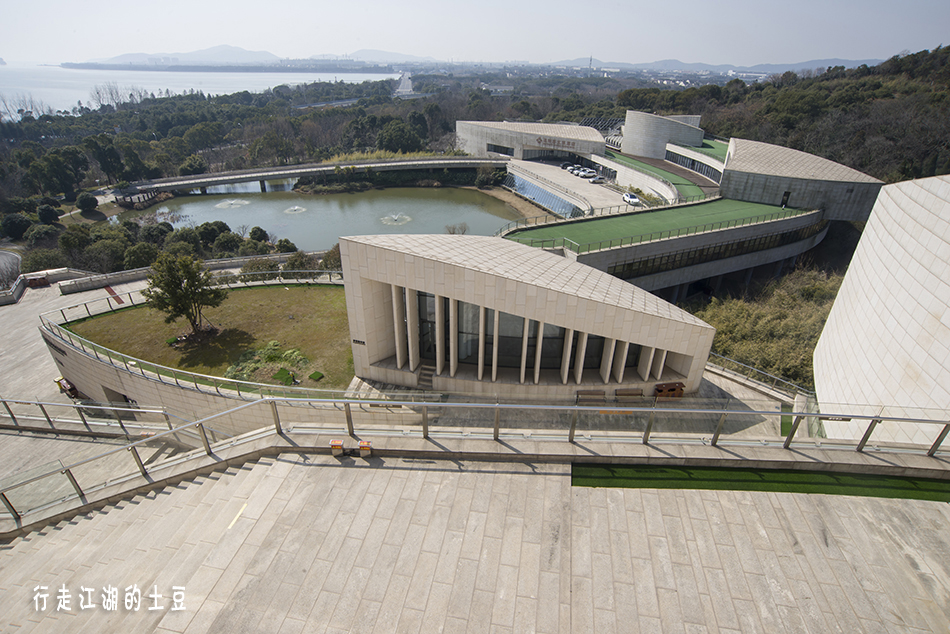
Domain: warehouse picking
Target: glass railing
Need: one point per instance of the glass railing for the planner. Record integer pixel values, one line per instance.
(646, 420)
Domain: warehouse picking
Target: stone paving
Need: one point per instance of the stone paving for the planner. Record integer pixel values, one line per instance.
(316, 544)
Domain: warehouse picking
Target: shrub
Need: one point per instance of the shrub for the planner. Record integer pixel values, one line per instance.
(87, 202)
(15, 225)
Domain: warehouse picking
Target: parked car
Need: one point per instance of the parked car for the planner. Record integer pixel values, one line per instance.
(596, 180)
(631, 199)
(566, 165)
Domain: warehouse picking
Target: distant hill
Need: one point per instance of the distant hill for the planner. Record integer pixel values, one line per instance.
(676, 65)
(223, 55)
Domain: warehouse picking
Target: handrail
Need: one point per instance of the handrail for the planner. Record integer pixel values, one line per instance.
(662, 235)
(874, 417)
(776, 380)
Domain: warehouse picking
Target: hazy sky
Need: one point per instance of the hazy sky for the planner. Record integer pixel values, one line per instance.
(740, 32)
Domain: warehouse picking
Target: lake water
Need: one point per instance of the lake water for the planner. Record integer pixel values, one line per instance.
(316, 222)
(61, 88)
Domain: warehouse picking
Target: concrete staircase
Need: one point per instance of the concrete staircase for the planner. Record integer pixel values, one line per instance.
(425, 377)
(182, 535)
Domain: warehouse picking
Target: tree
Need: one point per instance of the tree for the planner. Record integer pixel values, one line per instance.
(396, 136)
(47, 214)
(227, 243)
(179, 287)
(140, 255)
(15, 225)
(258, 234)
(285, 246)
(87, 202)
(194, 164)
(331, 259)
(42, 260)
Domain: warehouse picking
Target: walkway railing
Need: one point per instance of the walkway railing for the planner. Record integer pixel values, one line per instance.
(565, 243)
(651, 421)
(585, 204)
(769, 381)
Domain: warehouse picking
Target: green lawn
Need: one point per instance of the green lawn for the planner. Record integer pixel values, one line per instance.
(311, 319)
(684, 186)
(786, 481)
(676, 219)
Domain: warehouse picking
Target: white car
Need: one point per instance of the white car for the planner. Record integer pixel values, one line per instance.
(631, 199)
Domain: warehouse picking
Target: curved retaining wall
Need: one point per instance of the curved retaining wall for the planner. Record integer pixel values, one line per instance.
(647, 134)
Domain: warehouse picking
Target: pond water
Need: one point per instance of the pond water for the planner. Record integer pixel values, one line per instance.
(316, 222)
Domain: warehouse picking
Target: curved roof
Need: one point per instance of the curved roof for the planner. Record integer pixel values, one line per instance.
(536, 267)
(576, 132)
(773, 160)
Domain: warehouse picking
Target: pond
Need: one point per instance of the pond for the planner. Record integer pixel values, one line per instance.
(316, 222)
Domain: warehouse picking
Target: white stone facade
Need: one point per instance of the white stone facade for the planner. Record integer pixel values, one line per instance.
(493, 317)
(887, 340)
(647, 134)
(522, 140)
(775, 175)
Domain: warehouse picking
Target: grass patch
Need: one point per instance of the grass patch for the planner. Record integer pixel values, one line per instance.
(779, 481)
(678, 220)
(304, 328)
(786, 419)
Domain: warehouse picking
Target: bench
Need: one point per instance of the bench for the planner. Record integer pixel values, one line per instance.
(590, 396)
(628, 395)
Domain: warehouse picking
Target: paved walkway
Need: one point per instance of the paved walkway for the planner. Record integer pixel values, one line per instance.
(313, 544)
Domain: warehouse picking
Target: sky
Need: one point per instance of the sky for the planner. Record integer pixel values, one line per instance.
(737, 32)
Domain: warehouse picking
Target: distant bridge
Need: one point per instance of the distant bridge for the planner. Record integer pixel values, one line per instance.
(262, 175)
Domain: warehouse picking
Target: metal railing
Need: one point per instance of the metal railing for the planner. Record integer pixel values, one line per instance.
(87, 416)
(565, 243)
(647, 421)
(766, 380)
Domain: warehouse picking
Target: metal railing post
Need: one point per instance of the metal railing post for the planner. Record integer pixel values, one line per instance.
(425, 421)
(138, 460)
(82, 417)
(867, 435)
(497, 421)
(204, 438)
(6, 503)
(349, 419)
(791, 433)
(722, 421)
(943, 434)
(168, 421)
(48, 419)
(273, 409)
(10, 412)
(72, 481)
(649, 429)
(570, 434)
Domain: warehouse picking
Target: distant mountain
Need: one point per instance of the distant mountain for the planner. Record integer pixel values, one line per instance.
(385, 57)
(223, 55)
(676, 65)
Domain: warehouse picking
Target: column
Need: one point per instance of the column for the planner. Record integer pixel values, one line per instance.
(524, 347)
(646, 361)
(453, 337)
(263, 187)
(579, 357)
(399, 325)
(439, 335)
(412, 327)
(494, 347)
(620, 359)
(537, 352)
(481, 342)
(566, 355)
(659, 358)
(607, 359)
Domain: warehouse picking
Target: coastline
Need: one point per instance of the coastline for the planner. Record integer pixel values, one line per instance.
(525, 208)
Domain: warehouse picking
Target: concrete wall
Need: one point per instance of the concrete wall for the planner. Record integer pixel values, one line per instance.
(629, 177)
(474, 138)
(840, 200)
(378, 331)
(887, 338)
(604, 259)
(647, 134)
